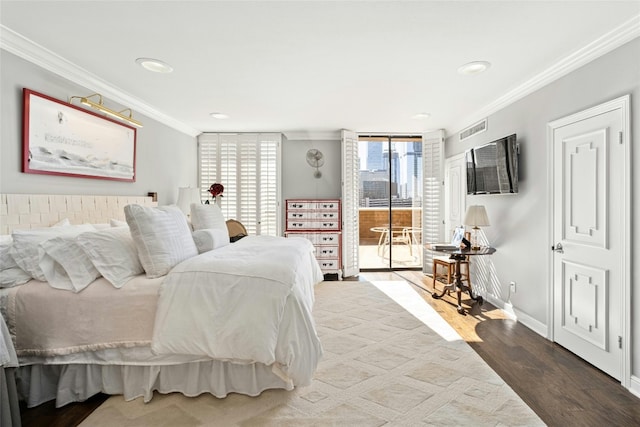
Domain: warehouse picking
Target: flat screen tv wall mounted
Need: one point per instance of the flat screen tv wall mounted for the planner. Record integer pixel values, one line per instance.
(493, 168)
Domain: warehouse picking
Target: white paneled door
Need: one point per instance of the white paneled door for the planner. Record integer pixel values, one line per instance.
(589, 199)
(455, 190)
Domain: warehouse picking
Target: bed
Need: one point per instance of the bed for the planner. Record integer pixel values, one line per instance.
(204, 316)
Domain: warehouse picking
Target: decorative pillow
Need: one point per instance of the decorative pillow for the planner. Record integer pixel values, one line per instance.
(117, 223)
(64, 222)
(204, 217)
(24, 250)
(6, 261)
(162, 237)
(10, 273)
(113, 253)
(13, 276)
(102, 225)
(210, 239)
(65, 265)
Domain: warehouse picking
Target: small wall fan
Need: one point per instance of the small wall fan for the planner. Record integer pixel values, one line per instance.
(315, 158)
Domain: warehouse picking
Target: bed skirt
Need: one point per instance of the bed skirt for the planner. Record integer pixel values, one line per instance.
(77, 382)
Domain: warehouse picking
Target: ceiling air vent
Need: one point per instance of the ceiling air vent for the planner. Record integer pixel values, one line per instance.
(475, 129)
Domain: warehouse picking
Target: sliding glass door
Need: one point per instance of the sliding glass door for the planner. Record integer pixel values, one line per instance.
(390, 212)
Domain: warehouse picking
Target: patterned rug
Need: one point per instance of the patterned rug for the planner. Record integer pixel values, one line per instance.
(390, 359)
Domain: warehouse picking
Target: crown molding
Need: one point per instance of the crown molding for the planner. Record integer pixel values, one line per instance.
(615, 38)
(30, 51)
(298, 135)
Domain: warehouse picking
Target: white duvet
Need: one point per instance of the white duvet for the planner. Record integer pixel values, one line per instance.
(247, 302)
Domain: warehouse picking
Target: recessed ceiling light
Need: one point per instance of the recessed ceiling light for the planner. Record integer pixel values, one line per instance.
(421, 116)
(475, 67)
(219, 115)
(154, 65)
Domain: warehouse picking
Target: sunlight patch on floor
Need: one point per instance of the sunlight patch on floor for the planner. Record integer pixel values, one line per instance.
(405, 295)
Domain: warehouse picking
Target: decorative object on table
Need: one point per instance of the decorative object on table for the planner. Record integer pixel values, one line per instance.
(315, 159)
(186, 196)
(476, 217)
(63, 139)
(216, 191)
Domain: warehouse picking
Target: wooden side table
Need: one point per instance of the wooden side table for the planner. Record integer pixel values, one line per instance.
(459, 255)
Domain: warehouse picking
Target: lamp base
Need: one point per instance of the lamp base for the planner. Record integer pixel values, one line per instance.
(475, 243)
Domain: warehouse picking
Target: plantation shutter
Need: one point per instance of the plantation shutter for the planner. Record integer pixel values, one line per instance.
(433, 188)
(350, 205)
(248, 165)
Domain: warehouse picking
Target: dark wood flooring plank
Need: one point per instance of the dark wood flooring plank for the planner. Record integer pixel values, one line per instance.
(68, 416)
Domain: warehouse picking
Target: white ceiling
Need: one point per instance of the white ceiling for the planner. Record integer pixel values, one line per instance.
(317, 66)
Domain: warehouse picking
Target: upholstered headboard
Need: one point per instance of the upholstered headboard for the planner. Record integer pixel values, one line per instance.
(42, 210)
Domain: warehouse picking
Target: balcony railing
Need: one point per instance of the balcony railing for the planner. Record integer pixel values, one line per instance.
(375, 255)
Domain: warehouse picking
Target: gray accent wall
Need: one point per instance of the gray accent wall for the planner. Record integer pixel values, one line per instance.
(297, 176)
(520, 223)
(165, 158)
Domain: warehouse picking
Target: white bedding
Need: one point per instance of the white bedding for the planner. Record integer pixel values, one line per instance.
(246, 302)
(241, 313)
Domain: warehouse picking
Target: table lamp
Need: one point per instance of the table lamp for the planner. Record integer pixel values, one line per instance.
(186, 196)
(476, 217)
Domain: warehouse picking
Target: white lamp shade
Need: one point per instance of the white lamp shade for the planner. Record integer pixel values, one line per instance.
(476, 216)
(186, 196)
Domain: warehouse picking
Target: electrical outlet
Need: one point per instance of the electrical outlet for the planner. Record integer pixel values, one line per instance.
(512, 285)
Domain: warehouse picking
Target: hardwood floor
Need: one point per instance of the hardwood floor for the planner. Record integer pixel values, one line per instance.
(560, 387)
(67, 416)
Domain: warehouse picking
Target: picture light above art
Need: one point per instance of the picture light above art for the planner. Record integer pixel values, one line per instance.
(85, 100)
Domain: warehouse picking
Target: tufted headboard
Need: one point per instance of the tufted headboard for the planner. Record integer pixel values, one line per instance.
(43, 210)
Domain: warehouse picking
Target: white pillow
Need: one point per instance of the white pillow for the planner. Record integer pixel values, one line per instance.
(64, 222)
(204, 217)
(210, 239)
(10, 273)
(6, 260)
(65, 265)
(13, 276)
(24, 250)
(113, 253)
(162, 237)
(102, 225)
(117, 223)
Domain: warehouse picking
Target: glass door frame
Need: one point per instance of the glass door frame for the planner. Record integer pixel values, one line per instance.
(401, 234)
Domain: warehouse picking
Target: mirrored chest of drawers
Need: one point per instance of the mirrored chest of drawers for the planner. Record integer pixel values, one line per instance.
(318, 220)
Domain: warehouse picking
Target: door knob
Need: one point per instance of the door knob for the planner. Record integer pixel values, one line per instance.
(558, 248)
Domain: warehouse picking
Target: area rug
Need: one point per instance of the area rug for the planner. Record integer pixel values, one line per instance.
(389, 359)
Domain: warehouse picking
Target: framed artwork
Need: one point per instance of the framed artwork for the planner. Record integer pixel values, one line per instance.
(59, 138)
(458, 235)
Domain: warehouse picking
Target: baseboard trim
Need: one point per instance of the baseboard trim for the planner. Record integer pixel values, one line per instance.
(504, 306)
(634, 386)
(520, 316)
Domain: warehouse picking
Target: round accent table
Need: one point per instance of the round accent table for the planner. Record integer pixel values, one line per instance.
(459, 255)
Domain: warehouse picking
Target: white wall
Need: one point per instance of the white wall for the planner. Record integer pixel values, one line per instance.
(520, 223)
(166, 158)
(297, 176)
